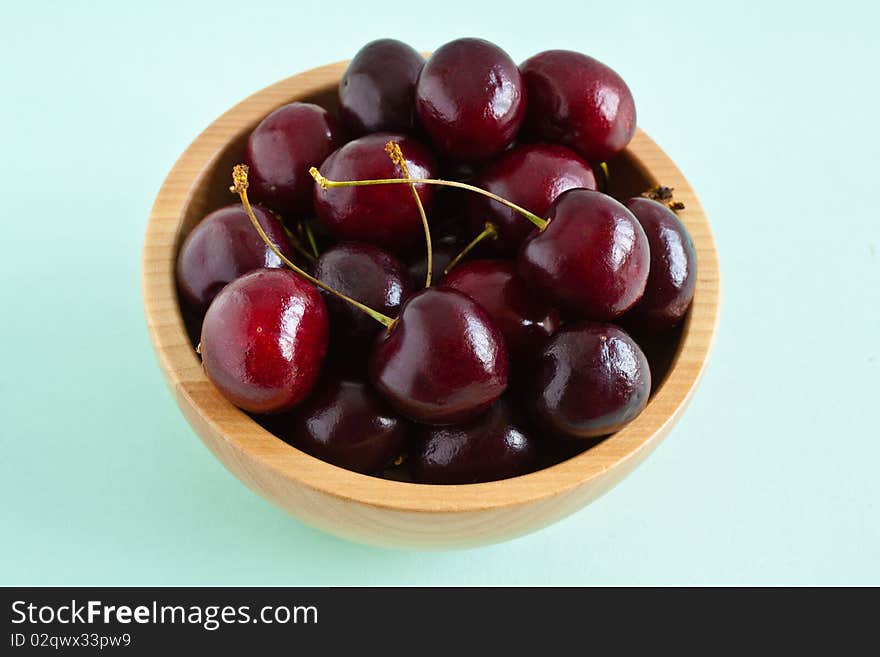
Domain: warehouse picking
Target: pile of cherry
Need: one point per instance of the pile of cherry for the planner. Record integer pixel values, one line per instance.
(320, 315)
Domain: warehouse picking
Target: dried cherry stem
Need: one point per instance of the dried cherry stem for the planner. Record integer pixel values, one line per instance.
(490, 231)
(396, 155)
(329, 184)
(239, 186)
(664, 194)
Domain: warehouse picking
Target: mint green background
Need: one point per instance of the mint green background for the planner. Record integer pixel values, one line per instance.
(771, 477)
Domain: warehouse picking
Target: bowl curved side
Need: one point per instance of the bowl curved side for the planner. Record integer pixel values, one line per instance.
(368, 509)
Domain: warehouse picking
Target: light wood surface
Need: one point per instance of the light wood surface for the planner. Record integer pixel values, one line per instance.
(368, 509)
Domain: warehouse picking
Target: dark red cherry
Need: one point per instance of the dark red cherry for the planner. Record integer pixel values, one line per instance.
(443, 362)
(367, 274)
(446, 244)
(346, 423)
(494, 446)
(659, 347)
(263, 340)
(449, 202)
(591, 380)
(222, 247)
(280, 151)
(672, 278)
(418, 265)
(470, 99)
(532, 176)
(591, 260)
(526, 320)
(377, 90)
(384, 215)
(578, 101)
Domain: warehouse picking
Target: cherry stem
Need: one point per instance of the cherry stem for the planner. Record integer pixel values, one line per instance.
(295, 243)
(664, 194)
(489, 231)
(239, 186)
(326, 183)
(310, 236)
(606, 174)
(396, 155)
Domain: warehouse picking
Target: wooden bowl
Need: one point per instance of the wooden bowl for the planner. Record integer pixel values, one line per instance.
(368, 509)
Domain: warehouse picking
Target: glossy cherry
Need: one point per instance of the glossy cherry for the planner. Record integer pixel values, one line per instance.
(443, 361)
(280, 151)
(672, 278)
(386, 216)
(346, 423)
(367, 274)
(263, 340)
(222, 247)
(494, 446)
(531, 176)
(591, 380)
(377, 90)
(592, 258)
(526, 320)
(578, 101)
(471, 100)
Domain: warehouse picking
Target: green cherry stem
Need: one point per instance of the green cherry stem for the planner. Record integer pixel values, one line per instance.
(396, 154)
(310, 236)
(239, 186)
(325, 183)
(294, 241)
(490, 231)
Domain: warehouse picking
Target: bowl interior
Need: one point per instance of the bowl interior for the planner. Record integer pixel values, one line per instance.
(628, 178)
(199, 183)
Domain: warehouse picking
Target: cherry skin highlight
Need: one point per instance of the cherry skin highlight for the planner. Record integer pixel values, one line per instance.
(591, 260)
(531, 176)
(470, 99)
(280, 151)
(263, 340)
(494, 446)
(443, 362)
(526, 320)
(384, 215)
(367, 274)
(377, 90)
(578, 101)
(346, 423)
(672, 278)
(591, 380)
(222, 247)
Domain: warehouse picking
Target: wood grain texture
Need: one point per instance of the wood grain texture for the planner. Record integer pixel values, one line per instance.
(368, 509)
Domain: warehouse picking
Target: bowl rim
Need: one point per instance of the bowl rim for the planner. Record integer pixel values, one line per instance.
(257, 447)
